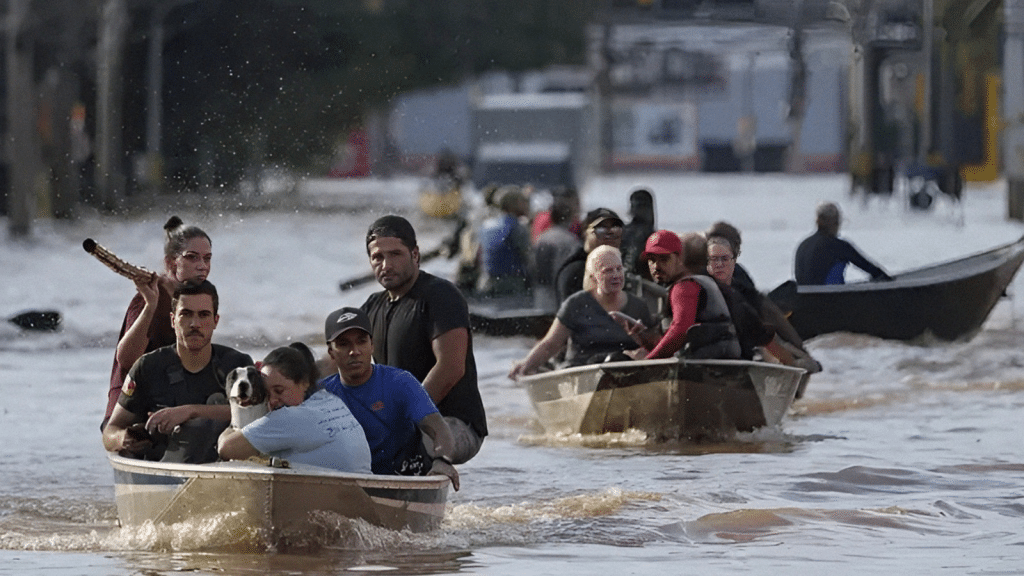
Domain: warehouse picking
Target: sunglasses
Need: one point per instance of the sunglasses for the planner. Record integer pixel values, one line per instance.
(607, 230)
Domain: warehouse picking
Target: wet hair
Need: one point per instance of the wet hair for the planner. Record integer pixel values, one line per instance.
(296, 363)
(590, 268)
(727, 232)
(178, 236)
(827, 218)
(695, 252)
(391, 226)
(192, 288)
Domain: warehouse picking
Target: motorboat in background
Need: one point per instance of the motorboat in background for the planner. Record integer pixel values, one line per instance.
(947, 301)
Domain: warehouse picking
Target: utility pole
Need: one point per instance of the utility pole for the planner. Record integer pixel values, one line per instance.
(21, 141)
(154, 91)
(797, 88)
(1013, 106)
(110, 177)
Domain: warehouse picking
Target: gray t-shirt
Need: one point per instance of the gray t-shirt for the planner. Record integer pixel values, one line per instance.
(593, 331)
(320, 432)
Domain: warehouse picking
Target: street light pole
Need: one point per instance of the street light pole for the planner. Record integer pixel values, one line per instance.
(109, 150)
(154, 92)
(21, 145)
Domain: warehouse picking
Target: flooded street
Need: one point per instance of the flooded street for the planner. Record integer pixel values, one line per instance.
(901, 458)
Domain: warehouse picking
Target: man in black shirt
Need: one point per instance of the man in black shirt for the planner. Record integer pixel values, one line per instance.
(822, 257)
(421, 325)
(177, 390)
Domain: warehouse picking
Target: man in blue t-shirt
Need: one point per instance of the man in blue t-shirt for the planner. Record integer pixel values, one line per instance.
(389, 403)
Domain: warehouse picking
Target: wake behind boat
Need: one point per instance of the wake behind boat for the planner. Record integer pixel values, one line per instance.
(948, 301)
(667, 399)
(278, 505)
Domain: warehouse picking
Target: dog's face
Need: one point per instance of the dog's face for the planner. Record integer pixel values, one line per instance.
(246, 387)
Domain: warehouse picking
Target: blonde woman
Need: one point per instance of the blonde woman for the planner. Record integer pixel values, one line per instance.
(597, 322)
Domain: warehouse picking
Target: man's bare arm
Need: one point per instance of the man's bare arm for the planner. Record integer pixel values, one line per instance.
(450, 350)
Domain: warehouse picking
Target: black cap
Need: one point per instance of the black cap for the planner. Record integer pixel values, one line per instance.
(599, 215)
(392, 226)
(345, 319)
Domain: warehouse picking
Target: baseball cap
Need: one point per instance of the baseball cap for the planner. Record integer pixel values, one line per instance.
(391, 226)
(663, 242)
(345, 319)
(599, 215)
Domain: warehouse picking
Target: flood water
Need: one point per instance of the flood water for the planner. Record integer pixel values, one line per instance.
(901, 457)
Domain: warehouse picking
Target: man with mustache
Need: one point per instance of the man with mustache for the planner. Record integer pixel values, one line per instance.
(172, 406)
(420, 323)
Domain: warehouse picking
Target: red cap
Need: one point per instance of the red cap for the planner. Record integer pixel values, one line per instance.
(663, 242)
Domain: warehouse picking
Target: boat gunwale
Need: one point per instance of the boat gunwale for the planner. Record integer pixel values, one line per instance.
(255, 471)
(633, 364)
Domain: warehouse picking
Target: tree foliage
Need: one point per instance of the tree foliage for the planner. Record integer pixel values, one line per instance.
(282, 79)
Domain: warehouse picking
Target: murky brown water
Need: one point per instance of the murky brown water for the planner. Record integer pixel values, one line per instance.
(899, 459)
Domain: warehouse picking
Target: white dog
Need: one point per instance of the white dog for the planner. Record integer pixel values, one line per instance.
(247, 394)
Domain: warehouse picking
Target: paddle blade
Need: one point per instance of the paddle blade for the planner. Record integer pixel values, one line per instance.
(37, 320)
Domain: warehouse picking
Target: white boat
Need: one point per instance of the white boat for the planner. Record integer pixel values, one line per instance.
(667, 399)
(278, 503)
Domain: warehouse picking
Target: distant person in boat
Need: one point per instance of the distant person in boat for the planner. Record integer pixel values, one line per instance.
(405, 432)
(450, 167)
(544, 219)
(173, 407)
(601, 227)
(147, 326)
(480, 208)
(822, 257)
(505, 247)
(421, 324)
(636, 233)
(701, 326)
(553, 247)
(306, 425)
(597, 323)
(723, 244)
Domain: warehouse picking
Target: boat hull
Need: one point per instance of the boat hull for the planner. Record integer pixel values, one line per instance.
(666, 399)
(948, 301)
(277, 503)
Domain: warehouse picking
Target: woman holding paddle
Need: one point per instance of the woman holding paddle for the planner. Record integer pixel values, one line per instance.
(596, 323)
(147, 322)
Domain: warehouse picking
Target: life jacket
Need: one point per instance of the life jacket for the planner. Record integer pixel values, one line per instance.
(713, 334)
